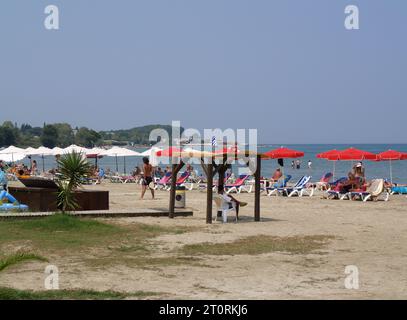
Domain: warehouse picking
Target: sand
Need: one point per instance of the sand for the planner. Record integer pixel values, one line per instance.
(371, 236)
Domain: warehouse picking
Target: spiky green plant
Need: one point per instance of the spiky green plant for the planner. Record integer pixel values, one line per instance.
(73, 168)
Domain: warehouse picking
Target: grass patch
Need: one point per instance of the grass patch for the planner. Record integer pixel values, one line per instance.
(89, 240)
(259, 244)
(15, 294)
(57, 232)
(18, 257)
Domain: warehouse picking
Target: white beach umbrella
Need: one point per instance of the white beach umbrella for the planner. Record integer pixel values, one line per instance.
(120, 152)
(30, 151)
(56, 151)
(41, 151)
(12, 154)
(95, 151)
(152, 155)
(75, 148)
(12, 157)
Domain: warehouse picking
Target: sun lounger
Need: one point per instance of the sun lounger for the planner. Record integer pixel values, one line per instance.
(300, 188)
(373, 191)
(278, 185)
(336, 182)
(399, 190)
(163, 182)
(181, 180)
(333, 194)
(238, 183)
(323, 184)
(203, 186)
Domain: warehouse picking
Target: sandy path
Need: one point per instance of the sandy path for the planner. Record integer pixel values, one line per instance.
(371, 236)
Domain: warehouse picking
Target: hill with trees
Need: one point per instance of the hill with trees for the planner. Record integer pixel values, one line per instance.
(63, 135)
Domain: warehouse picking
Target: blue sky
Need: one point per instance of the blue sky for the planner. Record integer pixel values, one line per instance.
(288, 68)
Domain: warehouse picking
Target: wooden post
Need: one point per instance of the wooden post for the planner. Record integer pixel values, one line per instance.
(257, 176)
(172, 191)
(175, 169)
(209, 196)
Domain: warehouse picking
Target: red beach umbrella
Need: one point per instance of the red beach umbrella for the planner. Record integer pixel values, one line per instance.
(353, 154)
(391, 155)
(326, 155)
(283, 153)
(169, 152)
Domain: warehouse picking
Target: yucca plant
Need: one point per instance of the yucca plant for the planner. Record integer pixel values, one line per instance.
(73, 168)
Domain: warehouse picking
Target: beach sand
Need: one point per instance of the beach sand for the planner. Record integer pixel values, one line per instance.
(371, 236)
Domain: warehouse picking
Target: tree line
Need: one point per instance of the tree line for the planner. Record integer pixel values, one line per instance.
(63, 134)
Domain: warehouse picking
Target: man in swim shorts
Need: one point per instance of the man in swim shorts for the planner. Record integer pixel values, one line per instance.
(147, 177)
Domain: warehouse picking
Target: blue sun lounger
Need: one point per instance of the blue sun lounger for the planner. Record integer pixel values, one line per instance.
(278, 185)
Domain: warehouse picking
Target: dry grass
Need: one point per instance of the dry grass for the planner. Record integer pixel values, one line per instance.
(260, 244)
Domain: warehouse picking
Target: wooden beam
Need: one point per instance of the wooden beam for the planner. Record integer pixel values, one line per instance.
(209, 195)
(257, 176)
(175, 169)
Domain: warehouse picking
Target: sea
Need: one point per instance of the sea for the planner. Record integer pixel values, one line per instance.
(318, 168)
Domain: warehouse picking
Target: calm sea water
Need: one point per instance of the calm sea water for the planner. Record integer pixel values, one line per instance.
(319, 166)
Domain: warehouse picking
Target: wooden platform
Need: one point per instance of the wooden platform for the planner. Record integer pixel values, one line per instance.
(45, 199)
(100, 214)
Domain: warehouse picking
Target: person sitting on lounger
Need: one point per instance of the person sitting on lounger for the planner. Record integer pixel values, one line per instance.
(358, 171)
(276, 175)
(352, 183)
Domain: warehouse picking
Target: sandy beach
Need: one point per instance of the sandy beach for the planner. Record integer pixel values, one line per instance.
(371, 236)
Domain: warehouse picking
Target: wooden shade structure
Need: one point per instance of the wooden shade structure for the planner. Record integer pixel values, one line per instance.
(215, 162)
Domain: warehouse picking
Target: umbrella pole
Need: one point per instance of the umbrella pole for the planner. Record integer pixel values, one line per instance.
(43, 164)
(391, 174)
(117, 166)
(124, 164)
(333, 173)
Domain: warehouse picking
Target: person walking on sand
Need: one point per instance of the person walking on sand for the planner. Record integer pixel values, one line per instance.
(147, 178)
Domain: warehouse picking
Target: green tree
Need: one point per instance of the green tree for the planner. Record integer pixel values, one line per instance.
(87, 137)
(73, 168)
(49, 136)
(8, 134)
(65, 134)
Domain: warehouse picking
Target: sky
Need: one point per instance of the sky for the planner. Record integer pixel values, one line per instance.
(287, 68)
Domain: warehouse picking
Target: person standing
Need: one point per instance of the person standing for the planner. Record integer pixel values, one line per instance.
(3, 178)
(33, 169)
(298, 164)
(147, 177)
(309, 164)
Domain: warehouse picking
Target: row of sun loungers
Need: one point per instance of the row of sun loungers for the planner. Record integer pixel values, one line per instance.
(303, 187)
